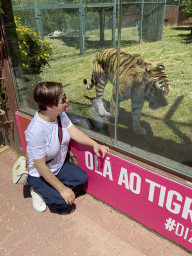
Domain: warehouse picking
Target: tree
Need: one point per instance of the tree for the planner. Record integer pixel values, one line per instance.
(187, 10)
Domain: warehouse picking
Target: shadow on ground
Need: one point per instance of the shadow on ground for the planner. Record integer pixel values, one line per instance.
(74, 42)
(186, 38)
(179, 152)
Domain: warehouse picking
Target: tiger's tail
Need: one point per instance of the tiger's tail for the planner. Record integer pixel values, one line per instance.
(89, 87)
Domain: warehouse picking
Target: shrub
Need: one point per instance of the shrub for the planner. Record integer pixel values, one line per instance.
(34, 52)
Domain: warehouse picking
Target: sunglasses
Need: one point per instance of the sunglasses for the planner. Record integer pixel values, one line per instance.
(63, 99)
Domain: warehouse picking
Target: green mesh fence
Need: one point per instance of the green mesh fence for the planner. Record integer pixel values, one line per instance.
(93, 22)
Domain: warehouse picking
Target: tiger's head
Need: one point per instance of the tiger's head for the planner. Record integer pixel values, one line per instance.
(157, 86)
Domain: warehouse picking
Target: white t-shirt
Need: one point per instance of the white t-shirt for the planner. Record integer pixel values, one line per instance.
(43, 140)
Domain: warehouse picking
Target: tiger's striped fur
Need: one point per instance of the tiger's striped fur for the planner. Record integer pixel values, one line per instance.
(139, 79)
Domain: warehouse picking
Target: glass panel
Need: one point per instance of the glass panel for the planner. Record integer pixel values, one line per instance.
(164, 132)
(76, 33)
(79, 36)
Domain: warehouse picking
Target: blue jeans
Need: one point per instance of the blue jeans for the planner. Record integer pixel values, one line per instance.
(70, 175)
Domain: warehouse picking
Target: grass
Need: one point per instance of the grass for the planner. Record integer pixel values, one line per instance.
(172, 123)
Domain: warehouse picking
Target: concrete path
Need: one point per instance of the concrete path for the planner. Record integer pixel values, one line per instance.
(93, 228)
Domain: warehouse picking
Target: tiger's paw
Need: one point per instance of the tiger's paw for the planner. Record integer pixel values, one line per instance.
(140, 131)
(98, 104)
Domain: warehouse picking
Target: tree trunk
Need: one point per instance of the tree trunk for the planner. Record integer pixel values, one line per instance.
(101, 18)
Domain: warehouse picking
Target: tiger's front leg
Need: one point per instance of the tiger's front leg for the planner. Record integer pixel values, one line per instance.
(112, 105)
(100, 107)
(136, 112)
(101, 82)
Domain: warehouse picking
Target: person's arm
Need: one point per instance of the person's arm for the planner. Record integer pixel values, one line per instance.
(82, 138)
(43, 169)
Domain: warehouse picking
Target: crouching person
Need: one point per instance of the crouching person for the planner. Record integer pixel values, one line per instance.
(53, 180)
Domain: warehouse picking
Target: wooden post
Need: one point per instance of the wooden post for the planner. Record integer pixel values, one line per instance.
(102, 25)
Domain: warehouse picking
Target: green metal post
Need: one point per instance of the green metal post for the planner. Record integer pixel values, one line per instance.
(82, 28)
(117, 75)
(163, 18)
(38, 22)
(83, 19)
(114, 24)
(141, 22)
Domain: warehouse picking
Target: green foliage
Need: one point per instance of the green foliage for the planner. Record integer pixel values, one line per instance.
(1, 10)
(46, 2)
(2, 95)
(59, 20)
(187, 8)
(34, 52)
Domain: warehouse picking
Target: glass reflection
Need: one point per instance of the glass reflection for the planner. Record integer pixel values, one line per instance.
(82, 36)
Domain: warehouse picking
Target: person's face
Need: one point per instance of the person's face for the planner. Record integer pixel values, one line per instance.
(62, 103)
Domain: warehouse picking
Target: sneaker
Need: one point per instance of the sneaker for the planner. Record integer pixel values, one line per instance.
(38, 202)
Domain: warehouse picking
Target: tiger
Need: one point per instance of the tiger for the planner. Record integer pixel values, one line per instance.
(139, 80)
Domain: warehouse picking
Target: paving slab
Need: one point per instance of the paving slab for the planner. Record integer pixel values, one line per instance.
(93, 228)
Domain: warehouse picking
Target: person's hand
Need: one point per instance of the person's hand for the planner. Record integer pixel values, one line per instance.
(98, 147)
(68, 195)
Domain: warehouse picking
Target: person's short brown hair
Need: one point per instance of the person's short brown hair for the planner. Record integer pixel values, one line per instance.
(47, 94)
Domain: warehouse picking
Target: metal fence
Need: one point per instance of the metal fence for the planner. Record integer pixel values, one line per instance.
(93, 22)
